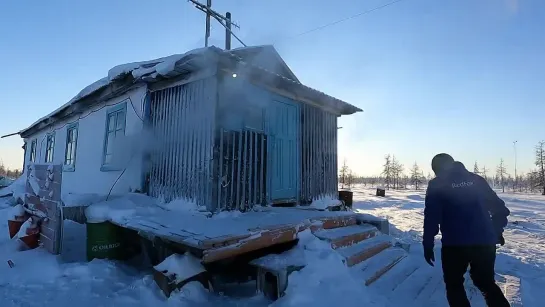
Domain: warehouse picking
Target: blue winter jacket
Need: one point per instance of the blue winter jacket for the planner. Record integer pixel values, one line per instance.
(465, 208)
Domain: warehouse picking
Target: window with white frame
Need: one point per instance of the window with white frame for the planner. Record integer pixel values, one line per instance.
(49, 148)
(32, 157)
(115, 130)
(71, 145)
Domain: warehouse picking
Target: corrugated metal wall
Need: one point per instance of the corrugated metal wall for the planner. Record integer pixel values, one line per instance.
(318, 154)
(182, 120)
(243, 170)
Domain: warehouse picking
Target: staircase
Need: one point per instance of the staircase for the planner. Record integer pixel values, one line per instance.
(374, 258)
(369, 253)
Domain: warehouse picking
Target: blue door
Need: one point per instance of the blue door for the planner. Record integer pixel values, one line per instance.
(283, 170)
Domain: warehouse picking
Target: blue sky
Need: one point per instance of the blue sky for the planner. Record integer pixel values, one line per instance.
(462, 76)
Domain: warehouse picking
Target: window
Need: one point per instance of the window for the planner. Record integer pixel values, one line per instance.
(32, 157)
(49, 148)
(71, 145)
(115, 129)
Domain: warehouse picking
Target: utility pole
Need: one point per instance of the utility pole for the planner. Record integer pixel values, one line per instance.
(228, 31)
(225, 21)
(516, 179)
(207, 31)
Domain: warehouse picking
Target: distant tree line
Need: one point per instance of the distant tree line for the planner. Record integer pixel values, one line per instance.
(533, 181)
(393, 175)
(7, 172)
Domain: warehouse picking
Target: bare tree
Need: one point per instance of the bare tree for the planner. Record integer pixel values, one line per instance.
(501, 175)
(521, 182)
(429, 177)
(416, 178)
(344, 174)
(484, 172)
(540, 163)
(350, 178)
(397, 172)
(476, 168)
(387, 171)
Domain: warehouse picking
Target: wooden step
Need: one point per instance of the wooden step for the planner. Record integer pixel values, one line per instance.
(364, 250)
(415, 285)
(378, 265)
(333, 222)
(346, 236)
(397, 275)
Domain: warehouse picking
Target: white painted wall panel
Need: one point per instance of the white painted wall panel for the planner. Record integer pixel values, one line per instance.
(88, 177)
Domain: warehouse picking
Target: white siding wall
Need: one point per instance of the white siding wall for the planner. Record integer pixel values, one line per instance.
(87, 176)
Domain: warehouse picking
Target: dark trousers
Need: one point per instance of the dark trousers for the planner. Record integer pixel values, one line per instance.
(481, 259)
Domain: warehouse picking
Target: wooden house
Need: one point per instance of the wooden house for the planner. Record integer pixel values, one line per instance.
(221, 129)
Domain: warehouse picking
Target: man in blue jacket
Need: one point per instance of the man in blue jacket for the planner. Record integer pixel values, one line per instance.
(471, 217)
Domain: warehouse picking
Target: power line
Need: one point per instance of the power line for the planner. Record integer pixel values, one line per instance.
(344, 19)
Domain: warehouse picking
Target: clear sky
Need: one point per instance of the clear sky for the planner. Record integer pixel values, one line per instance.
(462, 76)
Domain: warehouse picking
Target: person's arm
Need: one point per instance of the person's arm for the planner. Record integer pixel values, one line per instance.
(432, 215)
(496, 206)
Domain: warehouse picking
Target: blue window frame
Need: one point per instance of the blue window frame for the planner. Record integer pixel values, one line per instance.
(115, 128)
(71, 147)
(49, 148)
(32, 157)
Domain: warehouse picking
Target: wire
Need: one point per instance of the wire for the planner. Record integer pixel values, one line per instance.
(133, 153)
(342, 20)
(94, 111)
(120, 175)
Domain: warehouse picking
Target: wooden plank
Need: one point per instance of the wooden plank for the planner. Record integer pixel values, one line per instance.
(434, 294)
(46, 203)
(223, 241)
(367, 253)
(414, 284)
(265, 239)
(423, 294)
(48, 230)
(333, 222)
(48, 244)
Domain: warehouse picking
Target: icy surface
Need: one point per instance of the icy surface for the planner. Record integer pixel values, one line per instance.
(182, 266)
(182, 219)
(41, 279)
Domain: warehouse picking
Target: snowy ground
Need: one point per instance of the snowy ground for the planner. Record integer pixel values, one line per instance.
(40, 279)
(523, 254)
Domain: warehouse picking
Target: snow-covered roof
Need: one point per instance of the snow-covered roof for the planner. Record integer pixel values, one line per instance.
(178, 64)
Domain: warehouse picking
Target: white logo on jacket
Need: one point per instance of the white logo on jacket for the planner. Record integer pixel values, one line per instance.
(463, 184)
